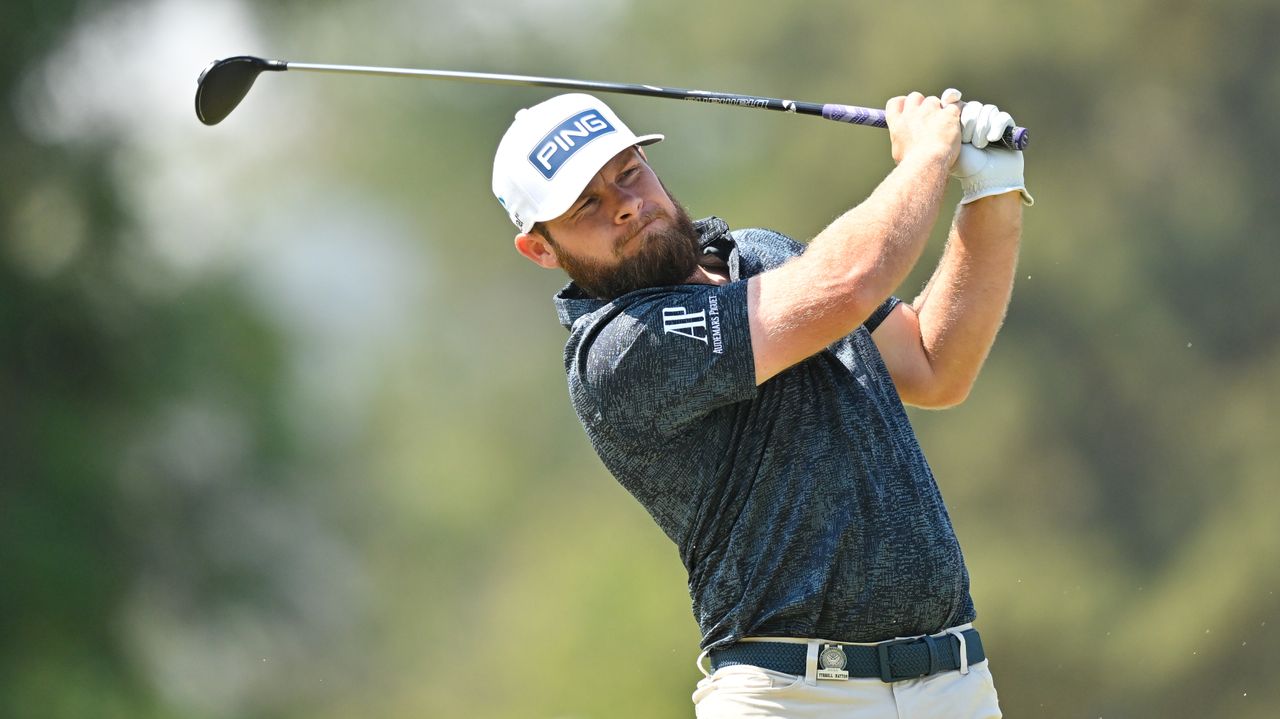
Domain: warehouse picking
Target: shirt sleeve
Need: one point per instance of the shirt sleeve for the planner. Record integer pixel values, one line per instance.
(880, 314)
(666, 357)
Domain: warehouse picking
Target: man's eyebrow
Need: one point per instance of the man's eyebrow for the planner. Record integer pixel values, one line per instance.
(577, 204)
(622, 161)
(624, 158)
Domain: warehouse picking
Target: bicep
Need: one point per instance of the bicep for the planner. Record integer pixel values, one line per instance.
(899, 342)
(794, 314)
(777, 338)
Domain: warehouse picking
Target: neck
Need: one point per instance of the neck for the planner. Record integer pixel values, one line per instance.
(703, 275)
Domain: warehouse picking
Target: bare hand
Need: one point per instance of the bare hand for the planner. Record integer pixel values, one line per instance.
(920, 125)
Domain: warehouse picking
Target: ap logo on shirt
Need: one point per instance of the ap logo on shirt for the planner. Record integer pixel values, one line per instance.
(679, 321)
(703, 325)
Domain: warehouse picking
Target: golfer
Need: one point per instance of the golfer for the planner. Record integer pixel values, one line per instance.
(748, 391)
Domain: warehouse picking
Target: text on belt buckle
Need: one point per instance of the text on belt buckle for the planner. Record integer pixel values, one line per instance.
(831, 663)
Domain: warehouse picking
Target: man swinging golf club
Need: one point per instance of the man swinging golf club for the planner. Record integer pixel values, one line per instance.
(749, 392)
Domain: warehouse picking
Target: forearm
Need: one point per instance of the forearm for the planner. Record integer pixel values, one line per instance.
(803, 306)
(868, 251)
(853, 264)
(964, 303)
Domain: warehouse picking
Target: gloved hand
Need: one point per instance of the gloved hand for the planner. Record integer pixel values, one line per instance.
(985, 170)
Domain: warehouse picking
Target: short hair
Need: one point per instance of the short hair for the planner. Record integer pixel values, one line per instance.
(540, 228)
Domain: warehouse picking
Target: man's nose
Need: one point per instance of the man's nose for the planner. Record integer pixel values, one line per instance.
(627, 206)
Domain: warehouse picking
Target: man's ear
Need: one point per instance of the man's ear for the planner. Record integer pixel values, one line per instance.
(537, 249)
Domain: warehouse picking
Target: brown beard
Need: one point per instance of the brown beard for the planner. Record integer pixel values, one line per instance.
(665, 257)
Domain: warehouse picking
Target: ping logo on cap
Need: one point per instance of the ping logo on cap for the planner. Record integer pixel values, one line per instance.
(570, 136)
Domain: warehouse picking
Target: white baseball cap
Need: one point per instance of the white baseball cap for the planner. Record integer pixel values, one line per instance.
(551, 152)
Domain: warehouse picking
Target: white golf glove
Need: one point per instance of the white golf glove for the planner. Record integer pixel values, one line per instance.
(985, 170)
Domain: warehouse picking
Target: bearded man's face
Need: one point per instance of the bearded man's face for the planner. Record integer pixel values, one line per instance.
(658, 257)
(625, 232)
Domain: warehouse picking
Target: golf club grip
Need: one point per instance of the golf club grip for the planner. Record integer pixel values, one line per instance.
(1015, 138)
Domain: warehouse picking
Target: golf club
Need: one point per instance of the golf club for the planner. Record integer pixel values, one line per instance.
(224, 83)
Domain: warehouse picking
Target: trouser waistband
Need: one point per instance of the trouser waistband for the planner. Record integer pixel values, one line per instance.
(890, 661)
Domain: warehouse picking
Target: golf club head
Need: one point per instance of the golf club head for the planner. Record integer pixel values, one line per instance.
(224, 83)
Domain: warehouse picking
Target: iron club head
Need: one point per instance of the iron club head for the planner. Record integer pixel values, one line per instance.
(224, 83)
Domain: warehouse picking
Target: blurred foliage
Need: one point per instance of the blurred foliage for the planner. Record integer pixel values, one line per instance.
(283, 429)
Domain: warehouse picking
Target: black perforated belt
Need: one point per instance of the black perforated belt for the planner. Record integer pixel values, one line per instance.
(890, 661)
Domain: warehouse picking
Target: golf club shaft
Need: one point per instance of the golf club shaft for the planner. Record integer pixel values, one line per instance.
(1014, 138)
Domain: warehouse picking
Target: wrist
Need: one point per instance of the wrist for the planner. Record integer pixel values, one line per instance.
(933, 154)
(926, 168)
(1009, 198)
(1003, 210)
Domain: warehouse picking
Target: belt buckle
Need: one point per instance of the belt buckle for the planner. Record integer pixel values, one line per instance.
(886, 672)
(832, 662)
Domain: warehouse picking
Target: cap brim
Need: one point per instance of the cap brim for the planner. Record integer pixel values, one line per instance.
(583, 167)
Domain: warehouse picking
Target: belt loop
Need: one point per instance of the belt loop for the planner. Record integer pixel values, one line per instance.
(964, 650)
(811, 665)
(932, 644)
(698, 662)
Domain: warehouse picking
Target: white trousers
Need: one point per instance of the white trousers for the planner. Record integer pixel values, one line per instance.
(746, 691)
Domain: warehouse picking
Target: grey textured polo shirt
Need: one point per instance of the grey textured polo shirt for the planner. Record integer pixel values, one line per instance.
(803, 507)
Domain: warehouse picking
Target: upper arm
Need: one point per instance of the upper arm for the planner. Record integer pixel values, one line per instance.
(796, 313)
(790, 307)
(667, 359)
(901, 346)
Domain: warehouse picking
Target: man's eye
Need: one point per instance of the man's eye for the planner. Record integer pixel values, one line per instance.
(586, 204)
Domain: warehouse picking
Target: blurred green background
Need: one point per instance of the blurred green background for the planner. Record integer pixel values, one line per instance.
(283, 427)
